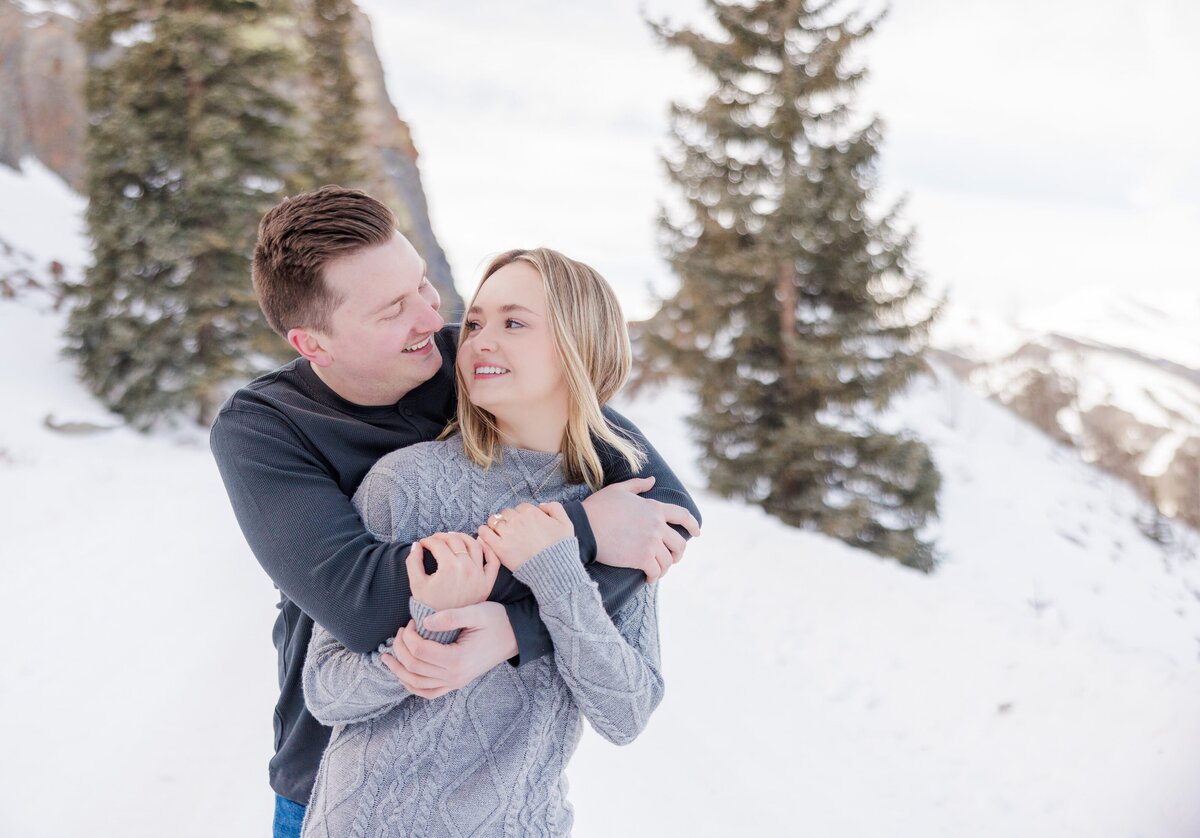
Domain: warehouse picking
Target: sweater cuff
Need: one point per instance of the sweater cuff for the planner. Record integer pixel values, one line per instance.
(554, 571)
(420, 611)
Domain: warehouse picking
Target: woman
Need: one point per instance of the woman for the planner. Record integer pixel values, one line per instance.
(543, 346)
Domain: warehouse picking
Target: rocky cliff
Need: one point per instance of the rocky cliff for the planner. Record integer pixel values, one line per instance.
(42, 69)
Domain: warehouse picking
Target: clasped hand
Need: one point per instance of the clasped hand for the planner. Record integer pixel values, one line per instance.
(514, 536)
(465, 572)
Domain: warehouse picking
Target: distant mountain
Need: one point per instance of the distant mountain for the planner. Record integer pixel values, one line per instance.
(1116, 376)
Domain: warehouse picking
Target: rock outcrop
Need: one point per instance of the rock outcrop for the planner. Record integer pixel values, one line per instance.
(42, 68)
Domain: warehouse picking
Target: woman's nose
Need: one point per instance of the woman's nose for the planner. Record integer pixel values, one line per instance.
(483, 339)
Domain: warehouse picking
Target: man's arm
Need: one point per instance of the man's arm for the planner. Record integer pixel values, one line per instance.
(306, 534)
(667, 489)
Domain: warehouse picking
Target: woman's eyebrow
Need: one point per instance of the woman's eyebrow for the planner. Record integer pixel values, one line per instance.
(505, 309)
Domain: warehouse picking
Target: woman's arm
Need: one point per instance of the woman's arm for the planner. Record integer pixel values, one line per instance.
(610, 665)
(341, 686)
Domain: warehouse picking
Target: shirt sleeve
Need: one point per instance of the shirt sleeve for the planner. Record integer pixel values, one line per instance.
(306, 533)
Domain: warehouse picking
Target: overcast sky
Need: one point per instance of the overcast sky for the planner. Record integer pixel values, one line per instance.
(1046, 146)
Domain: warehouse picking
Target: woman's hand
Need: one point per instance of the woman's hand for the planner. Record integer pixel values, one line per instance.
(465, 575)
(515, 536)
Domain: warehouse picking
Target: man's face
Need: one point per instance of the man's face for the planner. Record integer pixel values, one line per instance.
(380, 341)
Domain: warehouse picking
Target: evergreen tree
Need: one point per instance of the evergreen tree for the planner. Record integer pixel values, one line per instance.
(186, 138)
(798, 315)
(334, 132)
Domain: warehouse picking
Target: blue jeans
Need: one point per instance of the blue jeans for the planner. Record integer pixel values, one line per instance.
(288, 818)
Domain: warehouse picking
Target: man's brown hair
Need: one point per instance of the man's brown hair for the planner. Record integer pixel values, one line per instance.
(297, 238)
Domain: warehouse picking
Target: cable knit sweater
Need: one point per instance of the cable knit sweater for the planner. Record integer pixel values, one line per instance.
(487, 759)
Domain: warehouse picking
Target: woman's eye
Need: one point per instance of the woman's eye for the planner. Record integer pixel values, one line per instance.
(514, 324)
(470, 325)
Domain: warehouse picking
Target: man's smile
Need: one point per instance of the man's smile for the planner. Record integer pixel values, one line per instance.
(417, 347)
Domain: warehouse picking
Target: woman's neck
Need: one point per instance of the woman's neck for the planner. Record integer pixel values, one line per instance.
(535, 429)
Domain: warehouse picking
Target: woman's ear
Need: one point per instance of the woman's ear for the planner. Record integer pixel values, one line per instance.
(310, 345)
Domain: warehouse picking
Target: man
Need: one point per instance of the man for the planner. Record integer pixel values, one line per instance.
(375, 373)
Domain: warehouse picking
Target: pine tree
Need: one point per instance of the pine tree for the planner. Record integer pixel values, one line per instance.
(799, 315)
(185, 145)
(334, 134)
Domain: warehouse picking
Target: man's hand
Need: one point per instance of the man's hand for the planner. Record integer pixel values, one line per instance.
(633, 531)
(431, 669)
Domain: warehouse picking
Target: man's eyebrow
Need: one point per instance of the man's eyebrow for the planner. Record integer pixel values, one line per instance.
(506, 309)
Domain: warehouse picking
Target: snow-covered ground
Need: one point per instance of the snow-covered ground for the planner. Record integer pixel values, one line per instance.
(1044, 682)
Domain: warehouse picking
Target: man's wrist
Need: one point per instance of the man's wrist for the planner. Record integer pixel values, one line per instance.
(577, 512)
(531, 640)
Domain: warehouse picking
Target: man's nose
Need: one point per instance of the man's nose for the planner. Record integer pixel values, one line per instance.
(434, 320)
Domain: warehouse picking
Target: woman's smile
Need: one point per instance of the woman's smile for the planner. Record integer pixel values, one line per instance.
(485, 371)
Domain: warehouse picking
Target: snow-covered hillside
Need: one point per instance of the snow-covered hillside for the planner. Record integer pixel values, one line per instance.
(1042, 683)
(1116, 375)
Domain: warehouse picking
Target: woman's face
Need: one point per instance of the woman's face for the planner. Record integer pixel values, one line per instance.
(508, 359)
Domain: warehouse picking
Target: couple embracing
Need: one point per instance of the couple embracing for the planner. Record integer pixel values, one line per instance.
(465, 539)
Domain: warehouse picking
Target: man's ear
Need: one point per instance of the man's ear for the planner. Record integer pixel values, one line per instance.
(310, 345)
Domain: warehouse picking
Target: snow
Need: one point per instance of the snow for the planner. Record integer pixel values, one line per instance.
(1162, 326)
(42, 217)
(1043, 682)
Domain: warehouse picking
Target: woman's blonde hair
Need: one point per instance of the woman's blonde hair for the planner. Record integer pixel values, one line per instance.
(592, 342)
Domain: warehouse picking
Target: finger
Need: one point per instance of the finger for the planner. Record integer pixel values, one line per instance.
(474, 551)
(411, 662)
(415, 563)
(450, 619)
(555, 510)
(663, 556)
(675, 544)
(430, 651)
(489, 537)
(441, 550)
(678, 515)
(651, 567)
(491, 563)
(414, 651)
(637, 485)
(411, 680)
(525, 508)
(459, 543)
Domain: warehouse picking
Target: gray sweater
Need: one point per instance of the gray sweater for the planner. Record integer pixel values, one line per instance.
(488, 759)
